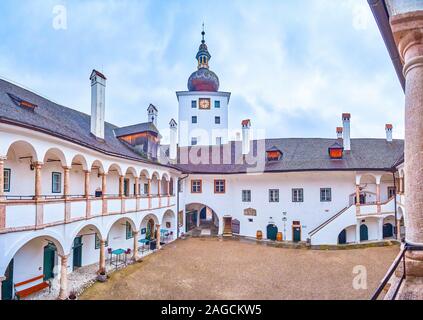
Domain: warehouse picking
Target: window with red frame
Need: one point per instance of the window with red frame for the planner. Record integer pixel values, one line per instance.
(196, 186)
(219, 186)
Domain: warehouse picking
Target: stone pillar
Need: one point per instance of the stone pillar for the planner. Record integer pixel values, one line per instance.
(398, 229)
(168, 188)
(407, 29)
(63, 293)
(137, 186)
(66, 182)
(357, 232)
(380, 228)
(87, 184)
(158, 236)
(135, 256)
(159, 184)
(121, 182)
(38, 185)
(2, 160)
(102, 262)
(378, 197)
(357, 201)
(104, 192)
(149, 187)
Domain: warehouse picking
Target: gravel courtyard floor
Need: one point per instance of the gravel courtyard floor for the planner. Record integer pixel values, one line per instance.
(227, 269)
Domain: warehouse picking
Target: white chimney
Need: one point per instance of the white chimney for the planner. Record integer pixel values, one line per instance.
(339, 131)
(246, 124)
(346, 117)
(173, 126)
(152, 114)
(98, 103)
(388, 128)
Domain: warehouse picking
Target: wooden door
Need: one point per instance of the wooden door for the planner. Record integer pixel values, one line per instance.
(77, 253)
(48, 263)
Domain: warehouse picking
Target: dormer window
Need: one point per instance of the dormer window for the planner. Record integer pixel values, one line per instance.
(22, 103)
(273, 154)
(336, 151)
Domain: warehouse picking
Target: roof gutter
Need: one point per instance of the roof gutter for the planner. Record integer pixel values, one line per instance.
(381, 15)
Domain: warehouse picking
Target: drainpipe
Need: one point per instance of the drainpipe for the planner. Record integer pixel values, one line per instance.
(177, 202)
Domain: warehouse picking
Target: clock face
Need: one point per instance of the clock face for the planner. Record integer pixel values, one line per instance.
(204, 103)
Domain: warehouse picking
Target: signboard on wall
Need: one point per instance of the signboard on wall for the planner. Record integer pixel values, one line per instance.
(250, 212)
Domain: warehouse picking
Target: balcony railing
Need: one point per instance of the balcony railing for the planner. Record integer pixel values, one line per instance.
(21, 212)
(398, 260)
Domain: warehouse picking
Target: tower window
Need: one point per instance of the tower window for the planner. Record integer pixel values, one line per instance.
(194, 119)
(217, 120)
(194, 141)
(217, 104)
(194, 104)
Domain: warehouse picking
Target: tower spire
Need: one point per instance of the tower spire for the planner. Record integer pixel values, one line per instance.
(203, 33)
(203, 56)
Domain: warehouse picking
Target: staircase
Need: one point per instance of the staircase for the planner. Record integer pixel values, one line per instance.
(321, 226)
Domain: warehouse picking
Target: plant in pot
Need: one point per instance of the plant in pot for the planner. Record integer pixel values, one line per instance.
(72, 295)
(102, 276)
(183, 236)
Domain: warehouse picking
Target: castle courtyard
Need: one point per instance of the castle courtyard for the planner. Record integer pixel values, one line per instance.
(209, 269)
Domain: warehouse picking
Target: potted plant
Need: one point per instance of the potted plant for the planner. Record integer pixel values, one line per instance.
(72, 295)
(183, 236)
(102, 276)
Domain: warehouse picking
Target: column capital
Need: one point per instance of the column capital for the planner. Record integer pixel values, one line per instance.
(66, 168)
(37, 164)
(407, 29)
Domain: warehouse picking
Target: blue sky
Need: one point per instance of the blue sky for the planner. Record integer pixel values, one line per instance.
(293, 66)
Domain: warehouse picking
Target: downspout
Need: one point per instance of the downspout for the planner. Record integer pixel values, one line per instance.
(177, 201)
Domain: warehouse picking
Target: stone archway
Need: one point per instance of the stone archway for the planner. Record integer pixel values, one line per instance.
(201, 220)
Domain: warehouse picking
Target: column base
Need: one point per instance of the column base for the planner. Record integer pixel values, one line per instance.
(414, 264)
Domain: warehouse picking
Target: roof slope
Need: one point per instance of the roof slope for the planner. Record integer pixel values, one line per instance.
(136, 128)
(60, 121)
(300, 154)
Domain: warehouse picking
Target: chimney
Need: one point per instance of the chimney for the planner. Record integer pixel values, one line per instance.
(388, 128)
(339, 131)
(346, 117)
(98, 103)
(246, 124)
(173, 126)
(152, 114)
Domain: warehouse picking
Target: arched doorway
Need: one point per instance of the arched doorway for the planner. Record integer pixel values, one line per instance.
(272, 231)
(388, 230)
(201, 220)
(150, 232)
(342, 237)
(364, 233)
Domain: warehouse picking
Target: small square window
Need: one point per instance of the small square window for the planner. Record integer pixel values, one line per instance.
(217, 120)
(194, 104)
(194, 119)
(218, 141)
(246, 195)
(297, 195)
(325, 195)
(274, 195)
(56, 182)
(6, 180)
(217, 104)
(194, 141)
(196, 186)
(219, 186)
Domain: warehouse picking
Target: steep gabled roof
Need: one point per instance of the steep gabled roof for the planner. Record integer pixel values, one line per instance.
(136, 128)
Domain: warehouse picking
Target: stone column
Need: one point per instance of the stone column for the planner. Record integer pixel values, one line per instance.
(149, 193)
(87, 184)
(102, 262)
(357, 232)
(168, 188)
(398, 230)
(158, 236)
(159, 184)
(66, 182)
(2, 160)
(357, 201)
(137, 186)
(135, 256)
(378, 197)
(121, 181)
(407, 29)
(63, 293)
(104, 192)
(38, 186)
(380, 228)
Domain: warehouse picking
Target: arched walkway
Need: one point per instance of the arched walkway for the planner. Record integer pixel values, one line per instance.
(201, 220)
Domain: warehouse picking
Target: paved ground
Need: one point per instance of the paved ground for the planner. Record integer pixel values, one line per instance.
(213, 269)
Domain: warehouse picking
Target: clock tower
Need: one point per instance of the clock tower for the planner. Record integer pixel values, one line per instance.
(203, 109)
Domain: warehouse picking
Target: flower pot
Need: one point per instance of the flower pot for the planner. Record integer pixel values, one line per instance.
(102, 277)
(72, 296)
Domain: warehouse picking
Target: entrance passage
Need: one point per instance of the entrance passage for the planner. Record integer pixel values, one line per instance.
(49, 258)
(7, 285)
(272, 231)
(77, 253)
(342, 237)
(202, 221)
(388, 230)
(364, 233)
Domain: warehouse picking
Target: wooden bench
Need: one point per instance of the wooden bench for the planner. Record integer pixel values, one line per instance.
(28, 291)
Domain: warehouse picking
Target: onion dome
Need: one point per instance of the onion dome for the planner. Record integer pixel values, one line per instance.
(203, 79)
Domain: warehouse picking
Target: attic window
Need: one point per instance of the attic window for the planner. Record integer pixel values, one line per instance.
(336, 151)
(273, 154)
(22, 103)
